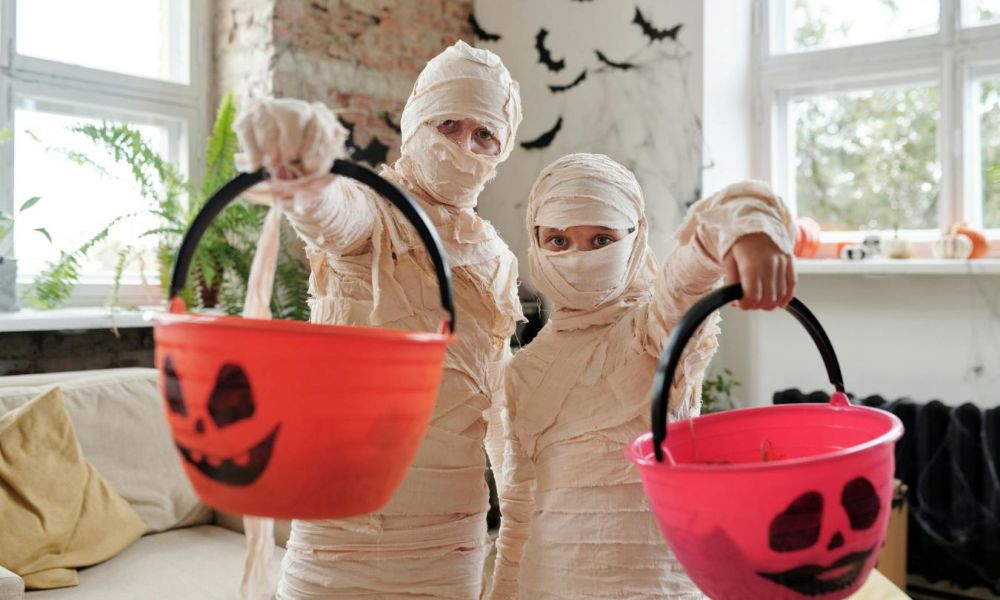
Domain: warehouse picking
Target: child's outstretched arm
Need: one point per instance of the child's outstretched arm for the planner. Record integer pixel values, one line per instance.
(297, 143)
(515, 486)
(743, 230)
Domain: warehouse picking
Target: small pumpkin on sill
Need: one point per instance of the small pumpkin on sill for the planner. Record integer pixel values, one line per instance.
(806, 237)
(980, 245)
(898, 248)
(854, 252)
(955, 246)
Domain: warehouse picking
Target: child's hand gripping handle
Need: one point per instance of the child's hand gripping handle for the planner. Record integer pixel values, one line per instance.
(671, 357)
(393, 194)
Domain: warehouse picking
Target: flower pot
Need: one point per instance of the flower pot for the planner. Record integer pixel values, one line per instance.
(898, 248)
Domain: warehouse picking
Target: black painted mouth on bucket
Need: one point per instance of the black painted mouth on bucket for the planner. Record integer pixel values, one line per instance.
(814, 580)
(245, 471)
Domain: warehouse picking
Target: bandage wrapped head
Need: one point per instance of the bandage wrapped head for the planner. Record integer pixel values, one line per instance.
(460, 83)
(589, 189)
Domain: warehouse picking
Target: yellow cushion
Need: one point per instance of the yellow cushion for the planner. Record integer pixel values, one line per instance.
(56, 512)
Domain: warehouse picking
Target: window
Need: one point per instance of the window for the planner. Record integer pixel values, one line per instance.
(868, 157)
(981, 12)
(64, 64)
(885, 117)
(987, 113)
(150, 37)
(818, 24)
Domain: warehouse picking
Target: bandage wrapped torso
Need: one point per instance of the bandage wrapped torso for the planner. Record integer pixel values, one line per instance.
(576, 523)
(433, 530)
(369, 268)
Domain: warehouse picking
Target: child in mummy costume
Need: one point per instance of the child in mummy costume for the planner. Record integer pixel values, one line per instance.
(370, 268)
(576, 523)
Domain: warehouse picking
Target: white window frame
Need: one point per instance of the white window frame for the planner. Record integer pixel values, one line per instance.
(953, 58)
(182, 107)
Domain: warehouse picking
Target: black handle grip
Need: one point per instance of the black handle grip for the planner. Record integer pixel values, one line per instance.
(399, 199)
(685, 329)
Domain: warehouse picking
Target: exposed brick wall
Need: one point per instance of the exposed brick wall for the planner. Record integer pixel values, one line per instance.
(56, 351)
(243, 51)
(358, 56)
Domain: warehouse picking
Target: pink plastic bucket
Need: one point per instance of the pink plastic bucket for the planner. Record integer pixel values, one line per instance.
(771, 502)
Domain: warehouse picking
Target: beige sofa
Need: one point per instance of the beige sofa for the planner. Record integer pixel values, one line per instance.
(189, 551)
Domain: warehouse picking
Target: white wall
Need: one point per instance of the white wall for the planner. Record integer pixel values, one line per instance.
(647, 117)
(727, 97)
(924, 336)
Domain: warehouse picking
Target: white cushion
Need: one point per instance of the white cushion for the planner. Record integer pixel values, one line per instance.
(119, 420)
(204, 562)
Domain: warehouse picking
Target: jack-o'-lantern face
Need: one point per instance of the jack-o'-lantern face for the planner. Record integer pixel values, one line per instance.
(229, 405)
(799, 527)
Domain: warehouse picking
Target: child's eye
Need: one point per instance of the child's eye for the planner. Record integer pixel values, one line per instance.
(603, 240)
(557, 241)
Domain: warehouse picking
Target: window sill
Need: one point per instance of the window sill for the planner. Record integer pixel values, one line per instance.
(61, 319)
(910, 266)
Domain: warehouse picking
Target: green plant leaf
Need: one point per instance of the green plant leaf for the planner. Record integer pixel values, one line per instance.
(29, 203)
(220, 149)
(124, 256)
(44, 232)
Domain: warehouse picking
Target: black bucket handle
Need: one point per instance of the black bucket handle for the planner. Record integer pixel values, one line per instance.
(244, 181)
(686, 328)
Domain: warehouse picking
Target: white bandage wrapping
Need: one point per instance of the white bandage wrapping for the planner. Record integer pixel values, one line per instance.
(576, 523)
(369, 268)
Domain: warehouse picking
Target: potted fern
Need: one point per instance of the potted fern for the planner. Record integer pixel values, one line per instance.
(221, 266)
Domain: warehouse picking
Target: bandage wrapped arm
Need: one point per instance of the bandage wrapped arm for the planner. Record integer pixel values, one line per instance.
(294, 139)
(695, 267)
(516, 488)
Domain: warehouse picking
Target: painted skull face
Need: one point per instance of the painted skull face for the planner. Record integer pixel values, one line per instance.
(799, 527)
(229, 405)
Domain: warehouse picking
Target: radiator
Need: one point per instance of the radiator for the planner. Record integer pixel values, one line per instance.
(949, 458)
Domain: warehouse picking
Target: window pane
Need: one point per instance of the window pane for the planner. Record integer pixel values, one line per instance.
(77, 200)
(868, 158)
(136, 37)
(982, 12)
(989, 130)
(817, 24)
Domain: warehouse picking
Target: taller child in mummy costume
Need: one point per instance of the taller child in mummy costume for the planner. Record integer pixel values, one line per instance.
(369, 268)
(575, 521)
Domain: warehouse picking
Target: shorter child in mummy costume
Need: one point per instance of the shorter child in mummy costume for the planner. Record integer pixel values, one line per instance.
(576, 523)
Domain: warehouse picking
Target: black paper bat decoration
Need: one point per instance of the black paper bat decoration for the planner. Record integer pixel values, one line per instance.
(388, 121)
(654, 34)
(544, 56)
(624, 66)
(556, 89)
(374, 153)
(544, 140)
(480, 33)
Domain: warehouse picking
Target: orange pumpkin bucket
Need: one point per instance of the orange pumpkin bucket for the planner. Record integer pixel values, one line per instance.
(297, 420)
